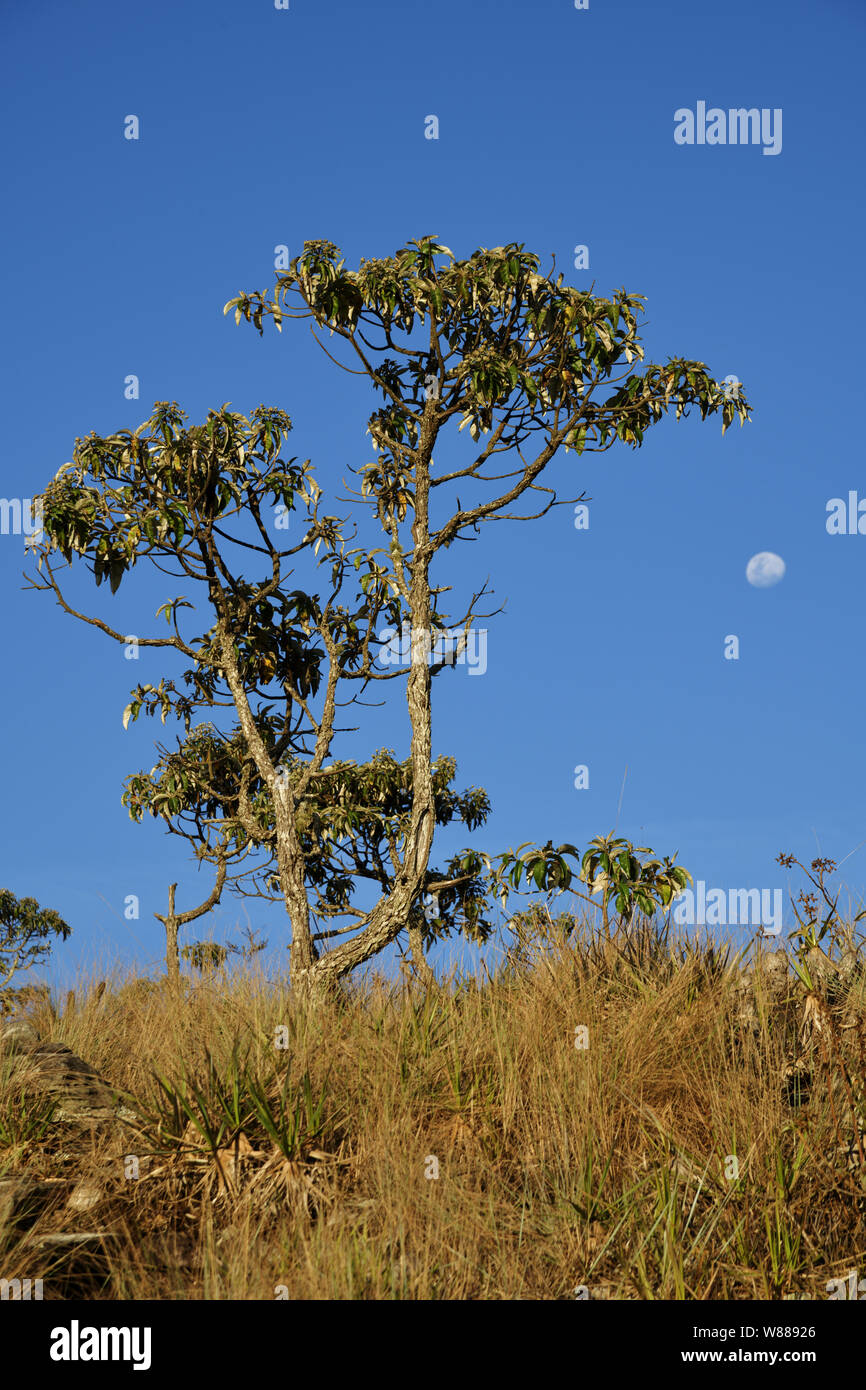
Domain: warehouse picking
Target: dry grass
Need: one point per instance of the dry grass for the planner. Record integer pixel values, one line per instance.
(606, 1167)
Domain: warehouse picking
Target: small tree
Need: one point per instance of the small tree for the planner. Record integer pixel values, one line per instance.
(206, 956)
(26, 932)
(486, 343)
(612, 868)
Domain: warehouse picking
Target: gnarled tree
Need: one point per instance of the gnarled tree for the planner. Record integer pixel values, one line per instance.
(532, 367)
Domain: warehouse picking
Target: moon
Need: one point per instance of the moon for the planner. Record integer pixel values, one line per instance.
(765, 569)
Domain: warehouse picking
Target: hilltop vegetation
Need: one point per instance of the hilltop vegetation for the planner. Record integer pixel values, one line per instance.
(634, 1118)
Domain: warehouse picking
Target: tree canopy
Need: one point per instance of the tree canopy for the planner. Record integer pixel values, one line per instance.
(26, 932)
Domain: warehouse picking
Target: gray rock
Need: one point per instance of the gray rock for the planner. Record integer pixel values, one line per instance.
(775, 970)
(85, 1196)
(52, 1070)
(850, 967)
(835, 978)
(17, 1034)
(69, 1238)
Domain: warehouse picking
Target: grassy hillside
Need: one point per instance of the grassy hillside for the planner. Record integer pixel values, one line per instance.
(639, 1120)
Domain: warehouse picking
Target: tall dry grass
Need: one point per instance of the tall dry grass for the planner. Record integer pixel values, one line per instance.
(678, 1148)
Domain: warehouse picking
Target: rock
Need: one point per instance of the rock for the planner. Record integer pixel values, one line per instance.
(69, 1238)
(17, 1034)
(770, 975)
(775, 971)
(850, 967)
(834, 978)
(85, 1196)
(53, 1070)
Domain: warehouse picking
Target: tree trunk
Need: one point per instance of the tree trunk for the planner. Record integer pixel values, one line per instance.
(173, 920)
(392, 912)
(290, 859)
(290, 864)
(423, 970)
(172, 954)
(312, 975)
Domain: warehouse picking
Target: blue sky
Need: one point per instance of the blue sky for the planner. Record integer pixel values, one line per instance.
(261, 128)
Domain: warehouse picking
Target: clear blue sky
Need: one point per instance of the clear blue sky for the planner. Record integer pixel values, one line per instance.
(261, 127)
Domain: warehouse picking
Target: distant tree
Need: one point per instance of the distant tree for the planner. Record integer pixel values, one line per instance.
(486, 343)
(205, 956)
(26, 932)
(173, 920)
